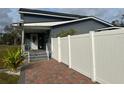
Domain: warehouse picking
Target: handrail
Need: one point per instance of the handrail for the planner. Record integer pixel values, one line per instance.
(47, 52)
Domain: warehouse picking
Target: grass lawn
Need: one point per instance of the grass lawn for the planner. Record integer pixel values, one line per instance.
(8, 79)
(3, 51)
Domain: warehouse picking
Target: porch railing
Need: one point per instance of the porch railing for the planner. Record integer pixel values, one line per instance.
(47, 52)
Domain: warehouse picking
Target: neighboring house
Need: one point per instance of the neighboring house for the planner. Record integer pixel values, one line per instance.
(39, 26)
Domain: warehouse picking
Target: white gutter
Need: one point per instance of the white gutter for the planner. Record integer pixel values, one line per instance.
(45, 23)
(108, 28)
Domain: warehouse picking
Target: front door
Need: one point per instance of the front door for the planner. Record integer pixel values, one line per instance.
(34, 41)
(41, 41)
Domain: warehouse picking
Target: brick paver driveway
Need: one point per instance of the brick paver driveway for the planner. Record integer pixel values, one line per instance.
(51, 72)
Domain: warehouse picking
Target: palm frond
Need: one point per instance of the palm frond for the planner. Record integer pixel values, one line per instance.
(13, 59)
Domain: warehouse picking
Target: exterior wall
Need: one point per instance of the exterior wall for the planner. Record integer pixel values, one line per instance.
(31, 18)
(80, 27)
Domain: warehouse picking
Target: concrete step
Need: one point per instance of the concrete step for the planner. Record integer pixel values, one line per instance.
(38, 59)
(43, 56)
(33, 52)
(38, 55)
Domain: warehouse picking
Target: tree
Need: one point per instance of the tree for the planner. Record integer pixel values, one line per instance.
(116, 23)
(7, 39)
(12, 36)
(66, 33)
(122, 20)
(8, 28)
(119, 22)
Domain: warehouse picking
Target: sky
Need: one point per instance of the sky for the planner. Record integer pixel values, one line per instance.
(11, 15)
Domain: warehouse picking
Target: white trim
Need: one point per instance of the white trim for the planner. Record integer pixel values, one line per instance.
(69, 49)
(22, 42)
(48, 15)
(52, 47)
(82, 72)
(102, 81)
(47, 52)
(108, 28)
(93, 56)
(59, 50)
(15, 24)
(45, 23)
(81, 19)
(63, 22)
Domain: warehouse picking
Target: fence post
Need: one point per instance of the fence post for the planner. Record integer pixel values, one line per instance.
(93, 56)
(69, 46)
(59, 49)
(51, 48)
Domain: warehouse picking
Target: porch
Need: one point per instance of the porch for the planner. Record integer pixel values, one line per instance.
(36, 42)
(36, 35)
(35, 38)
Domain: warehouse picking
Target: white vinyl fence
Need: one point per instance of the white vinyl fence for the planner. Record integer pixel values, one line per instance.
(98, 55)
(81, 54)
(55, 51)
(64, 50)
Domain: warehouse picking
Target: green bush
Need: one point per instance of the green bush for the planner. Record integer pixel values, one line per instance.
(13, 59)
(66, 33)
(3, 52)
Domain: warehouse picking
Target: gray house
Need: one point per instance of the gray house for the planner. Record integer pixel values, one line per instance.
(39, 26)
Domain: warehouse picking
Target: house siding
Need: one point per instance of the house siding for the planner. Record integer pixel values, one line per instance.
(80, 27)
(36, 18)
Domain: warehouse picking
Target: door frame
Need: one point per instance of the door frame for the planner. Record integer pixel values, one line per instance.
(34, 44)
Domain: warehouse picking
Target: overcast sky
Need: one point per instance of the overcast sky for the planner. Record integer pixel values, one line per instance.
(10, 15)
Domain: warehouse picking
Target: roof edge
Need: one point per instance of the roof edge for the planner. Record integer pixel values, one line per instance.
(91, 17)
(48, 13)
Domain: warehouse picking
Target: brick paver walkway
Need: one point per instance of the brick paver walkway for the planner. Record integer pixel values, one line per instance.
(51, 72)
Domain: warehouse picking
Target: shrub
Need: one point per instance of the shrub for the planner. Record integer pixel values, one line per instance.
(13, 59)
(66, 33)
(3, 52)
